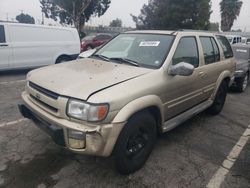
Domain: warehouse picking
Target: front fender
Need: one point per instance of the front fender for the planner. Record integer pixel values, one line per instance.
(137, 105)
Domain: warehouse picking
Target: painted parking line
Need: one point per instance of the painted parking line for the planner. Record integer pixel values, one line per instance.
(12, 82)
(227, 164)
(13, 122)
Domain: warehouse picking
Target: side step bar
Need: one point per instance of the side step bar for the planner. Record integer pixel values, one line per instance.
(174, 122)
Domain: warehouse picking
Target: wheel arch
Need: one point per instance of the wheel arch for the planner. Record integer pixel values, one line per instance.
(62, 56)
(151, 104)
(224, 76)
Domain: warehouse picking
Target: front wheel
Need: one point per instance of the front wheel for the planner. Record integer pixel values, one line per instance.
(135, 143)
(219, 99)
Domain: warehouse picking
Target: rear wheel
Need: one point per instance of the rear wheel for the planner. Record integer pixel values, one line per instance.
(219, 100)
(135, 143)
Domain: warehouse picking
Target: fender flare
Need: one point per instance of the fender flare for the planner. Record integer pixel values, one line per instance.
(223, 76)
(138, 105)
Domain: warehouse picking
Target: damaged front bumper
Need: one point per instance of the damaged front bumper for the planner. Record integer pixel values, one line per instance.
(98, 140)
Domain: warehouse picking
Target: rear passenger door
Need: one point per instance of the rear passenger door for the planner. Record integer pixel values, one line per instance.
(213, 65)
(5, 49)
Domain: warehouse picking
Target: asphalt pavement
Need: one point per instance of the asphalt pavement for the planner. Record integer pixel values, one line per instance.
(188, 156)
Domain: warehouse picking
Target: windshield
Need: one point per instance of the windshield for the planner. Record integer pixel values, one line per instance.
(147, 50)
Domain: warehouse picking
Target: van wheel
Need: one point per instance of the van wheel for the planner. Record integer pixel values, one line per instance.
(62, 59)
(135, 143)
(219, 100)
(242, 84)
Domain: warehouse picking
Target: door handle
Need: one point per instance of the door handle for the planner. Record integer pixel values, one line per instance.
(201, 74)
(2, 45)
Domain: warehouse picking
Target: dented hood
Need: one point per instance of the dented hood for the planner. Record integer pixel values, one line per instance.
(83, 77)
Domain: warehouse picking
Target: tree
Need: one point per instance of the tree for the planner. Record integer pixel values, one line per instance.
(25, 18)
(174, 14)
(214, 27)
(116, 23)
(230, 10)
(75, 12)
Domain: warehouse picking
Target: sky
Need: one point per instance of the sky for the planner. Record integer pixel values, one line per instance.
(118, 9)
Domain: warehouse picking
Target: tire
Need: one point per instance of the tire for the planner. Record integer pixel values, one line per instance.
(243, 83)
(62, 59)
(219, 99)
(135, 143)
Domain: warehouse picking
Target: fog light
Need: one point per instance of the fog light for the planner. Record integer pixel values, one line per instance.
(76, 139)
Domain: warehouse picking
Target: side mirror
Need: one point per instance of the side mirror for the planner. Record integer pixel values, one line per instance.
(181, 69)
(86, 54)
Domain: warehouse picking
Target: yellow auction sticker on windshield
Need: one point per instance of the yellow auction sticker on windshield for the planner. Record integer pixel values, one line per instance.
(149, 43)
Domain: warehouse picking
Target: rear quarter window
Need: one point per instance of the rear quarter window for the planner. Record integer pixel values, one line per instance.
(227, 49)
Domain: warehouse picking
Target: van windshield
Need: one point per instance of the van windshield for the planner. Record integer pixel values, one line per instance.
(146, 50)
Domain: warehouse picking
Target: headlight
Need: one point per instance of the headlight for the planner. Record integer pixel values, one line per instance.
(87, 112)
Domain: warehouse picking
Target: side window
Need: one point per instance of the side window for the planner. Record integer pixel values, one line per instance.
(227, 50)
(208, 50)
(216, 50)
(2, 34)
(187, 51)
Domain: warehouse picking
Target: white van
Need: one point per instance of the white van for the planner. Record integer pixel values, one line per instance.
(234, 39)
(28, 45)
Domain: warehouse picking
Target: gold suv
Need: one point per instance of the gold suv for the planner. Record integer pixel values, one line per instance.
(118, 99)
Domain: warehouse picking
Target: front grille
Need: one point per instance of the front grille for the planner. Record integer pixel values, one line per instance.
(44, 91)
(44, 104)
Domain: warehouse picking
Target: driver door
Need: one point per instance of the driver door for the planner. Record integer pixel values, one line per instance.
(183, 92)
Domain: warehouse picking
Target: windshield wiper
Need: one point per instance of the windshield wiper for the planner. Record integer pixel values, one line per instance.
(101, 57)
(125, 60)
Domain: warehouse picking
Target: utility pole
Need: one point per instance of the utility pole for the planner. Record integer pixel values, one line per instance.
(7, 16)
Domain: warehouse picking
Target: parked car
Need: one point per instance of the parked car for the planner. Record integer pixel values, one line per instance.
(234, 39)
(242, 55)
(28, 45)
(138, 85)
(93, 41)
